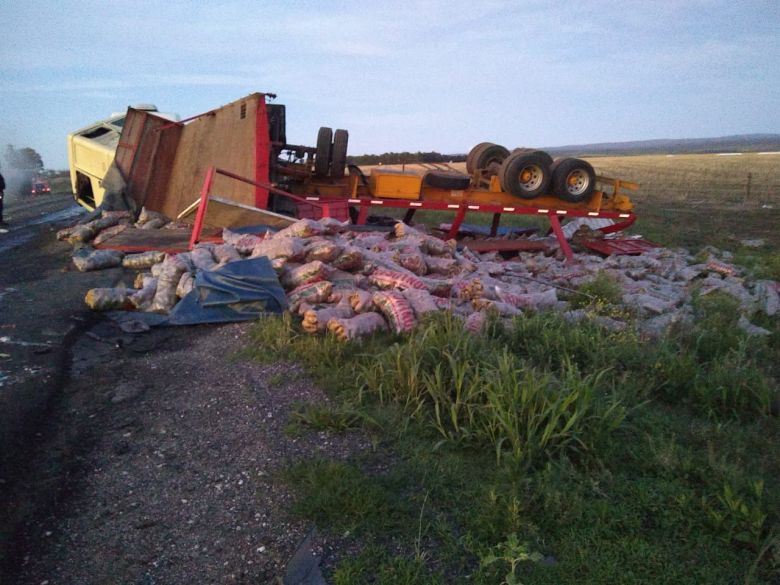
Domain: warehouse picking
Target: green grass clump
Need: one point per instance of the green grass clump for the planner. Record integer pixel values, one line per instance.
(760, 263)
(600, 292)
(328, 417)
(473, 391)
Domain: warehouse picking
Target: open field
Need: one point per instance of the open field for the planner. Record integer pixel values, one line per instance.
(696, 200)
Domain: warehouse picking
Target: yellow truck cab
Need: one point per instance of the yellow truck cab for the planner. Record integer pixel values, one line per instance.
(91, 151)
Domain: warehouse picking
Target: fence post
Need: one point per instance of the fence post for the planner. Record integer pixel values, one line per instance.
(747, 187)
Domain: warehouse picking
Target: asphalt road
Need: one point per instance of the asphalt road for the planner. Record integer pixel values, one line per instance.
(41, 311)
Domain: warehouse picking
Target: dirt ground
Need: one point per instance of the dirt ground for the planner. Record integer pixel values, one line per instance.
(147, 458)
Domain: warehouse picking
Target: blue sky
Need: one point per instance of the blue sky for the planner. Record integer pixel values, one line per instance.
(435, 75)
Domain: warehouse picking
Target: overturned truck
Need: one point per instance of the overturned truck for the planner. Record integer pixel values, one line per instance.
(233, 166)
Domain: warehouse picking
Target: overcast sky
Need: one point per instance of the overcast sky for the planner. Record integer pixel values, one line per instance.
(435, 75)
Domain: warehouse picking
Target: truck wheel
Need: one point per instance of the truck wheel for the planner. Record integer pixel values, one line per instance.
(447, 180)
(339, 154)
(485, 155)
(546, 156)
(470, 166)
(322, 156)
(525, 174)
(573, 179)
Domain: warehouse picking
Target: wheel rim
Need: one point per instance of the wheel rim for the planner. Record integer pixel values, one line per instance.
(577, 182)
(530, 177)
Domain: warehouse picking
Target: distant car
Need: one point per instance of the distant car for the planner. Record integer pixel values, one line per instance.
(40, 186)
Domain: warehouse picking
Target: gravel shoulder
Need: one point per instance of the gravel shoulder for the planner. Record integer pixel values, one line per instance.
(148, 458)
(176, 452)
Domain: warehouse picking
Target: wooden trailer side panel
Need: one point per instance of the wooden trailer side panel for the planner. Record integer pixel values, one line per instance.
(145, 155)
(224, 138)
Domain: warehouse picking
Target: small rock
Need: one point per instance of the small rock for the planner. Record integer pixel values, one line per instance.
(767, 297)
(648, 303)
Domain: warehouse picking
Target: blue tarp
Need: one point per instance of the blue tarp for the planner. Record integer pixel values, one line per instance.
(238, 291)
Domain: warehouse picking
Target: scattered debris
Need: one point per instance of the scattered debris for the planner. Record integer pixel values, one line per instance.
(354, 282)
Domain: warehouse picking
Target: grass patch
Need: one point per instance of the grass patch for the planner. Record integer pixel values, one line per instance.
(328, 417)
(545, 452)
(596, 294)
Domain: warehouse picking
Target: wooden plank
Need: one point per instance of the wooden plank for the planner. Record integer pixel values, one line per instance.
(222, 212)
(138, 240)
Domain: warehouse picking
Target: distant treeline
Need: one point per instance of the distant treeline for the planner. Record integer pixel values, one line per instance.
(399, 158)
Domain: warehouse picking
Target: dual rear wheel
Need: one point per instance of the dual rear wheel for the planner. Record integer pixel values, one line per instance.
(330, 159)
(527, 173)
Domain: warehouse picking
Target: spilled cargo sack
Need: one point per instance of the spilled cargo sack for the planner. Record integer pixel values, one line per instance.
(421, 301)
(315, 321)
(147, 215)
(81, 234)
(142, 299)
(290, 248)
(243, 243)
(186, 284)
(106, 299)
(303, 228)
(384, 278)
(397, 310)
(358, 326)
(167, 281)
(324, 251)
(310, 272)
(313, 292)
(97, 260)
(362, 301)
(143, 260)
(350, 258)
(202, 259)
(225, 253)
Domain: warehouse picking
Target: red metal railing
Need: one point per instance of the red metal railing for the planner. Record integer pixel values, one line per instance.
(324, 207)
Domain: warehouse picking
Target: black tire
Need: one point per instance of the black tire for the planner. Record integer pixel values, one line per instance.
(485, 155)
(322, 156)
(525, 173)
(339, 154)
(573, 179)
(470, 166)
(541, 153)
(447, 180)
